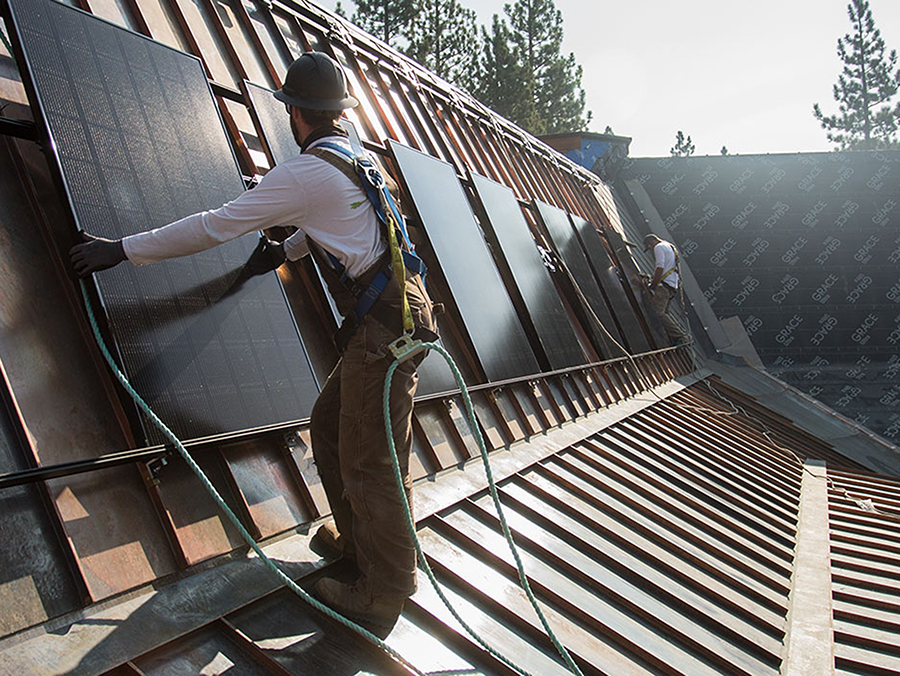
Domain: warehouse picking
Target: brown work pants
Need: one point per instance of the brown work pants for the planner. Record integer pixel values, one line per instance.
(661, 298)
(351, 453)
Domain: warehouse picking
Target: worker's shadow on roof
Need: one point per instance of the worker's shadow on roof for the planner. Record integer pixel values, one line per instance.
(186, 618)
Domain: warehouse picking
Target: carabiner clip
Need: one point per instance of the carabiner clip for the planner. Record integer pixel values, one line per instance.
(405, 347)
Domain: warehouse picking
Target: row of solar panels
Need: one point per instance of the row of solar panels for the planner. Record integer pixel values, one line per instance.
(139, 143)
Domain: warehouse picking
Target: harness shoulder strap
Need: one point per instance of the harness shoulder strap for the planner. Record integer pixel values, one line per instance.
(353, 166)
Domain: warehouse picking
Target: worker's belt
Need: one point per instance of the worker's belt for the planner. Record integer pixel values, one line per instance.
(668, 273)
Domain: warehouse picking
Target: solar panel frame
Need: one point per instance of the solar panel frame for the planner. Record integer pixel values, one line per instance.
(559, 227)
(136, 142)
(609, 277)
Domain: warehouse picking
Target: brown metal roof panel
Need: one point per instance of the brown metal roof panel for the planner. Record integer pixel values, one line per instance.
(508, 625)
(698, 476)
(301, 641)
(668, 526)
(611, 571)
(644, 533)
(677, 510)
(209, 650)
(745, 456)
(603, 537)
(865, 573)
(739, 460)
(587, 595)
(864, 657)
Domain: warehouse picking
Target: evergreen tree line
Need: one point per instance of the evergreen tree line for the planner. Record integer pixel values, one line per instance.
(517, 68)
(868, 116)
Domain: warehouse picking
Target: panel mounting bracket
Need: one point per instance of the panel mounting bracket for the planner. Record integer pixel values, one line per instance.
(155, 467)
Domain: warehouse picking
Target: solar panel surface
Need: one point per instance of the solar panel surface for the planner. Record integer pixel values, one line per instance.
(542, 302)
(567, 246)
(139, 143)
(487, 311)
(608, 275)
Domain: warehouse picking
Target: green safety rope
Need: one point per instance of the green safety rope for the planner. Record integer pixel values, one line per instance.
(405, 349)
(401, 349)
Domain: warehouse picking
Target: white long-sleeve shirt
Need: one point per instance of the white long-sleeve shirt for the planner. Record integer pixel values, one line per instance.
(303, 191)
(664, 255)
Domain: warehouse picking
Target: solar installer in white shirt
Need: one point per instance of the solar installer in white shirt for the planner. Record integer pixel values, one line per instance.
(665, 286)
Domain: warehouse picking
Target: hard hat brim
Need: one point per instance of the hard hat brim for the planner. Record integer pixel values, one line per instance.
(316, 104)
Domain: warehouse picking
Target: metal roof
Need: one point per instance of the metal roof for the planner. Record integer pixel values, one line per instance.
(662, 541)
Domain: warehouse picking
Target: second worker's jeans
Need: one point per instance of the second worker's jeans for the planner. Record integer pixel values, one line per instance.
(662, 298)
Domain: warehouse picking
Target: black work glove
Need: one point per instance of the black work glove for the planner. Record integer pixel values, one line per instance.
(95, 254)
(267, 256)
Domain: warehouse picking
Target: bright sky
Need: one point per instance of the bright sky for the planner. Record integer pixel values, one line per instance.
(726, 72)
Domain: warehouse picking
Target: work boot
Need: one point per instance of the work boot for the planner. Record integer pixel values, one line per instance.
(378, 614)
(329, 543)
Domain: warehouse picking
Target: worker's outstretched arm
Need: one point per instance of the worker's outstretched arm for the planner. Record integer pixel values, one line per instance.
(271, 203)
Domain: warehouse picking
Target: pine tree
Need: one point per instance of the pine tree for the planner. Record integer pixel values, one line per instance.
(561, 97)
(500, 81)
(536, 30)
(389, 20)
(683, 146)
(442, 38)
(864, 89)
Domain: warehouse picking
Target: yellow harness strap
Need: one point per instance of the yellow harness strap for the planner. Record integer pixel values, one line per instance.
(397, 262)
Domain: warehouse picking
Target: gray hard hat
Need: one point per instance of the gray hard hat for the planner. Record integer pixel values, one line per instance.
(317, 82)
(650, 239)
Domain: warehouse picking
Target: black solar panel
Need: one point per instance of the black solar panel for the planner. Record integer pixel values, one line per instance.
(487, 311)
(610, 280)
(542, 302)
(567, 246)
(434, 374)
(139, 143)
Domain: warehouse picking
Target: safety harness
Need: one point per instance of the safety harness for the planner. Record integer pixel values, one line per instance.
(361, 170)
(675, 267)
